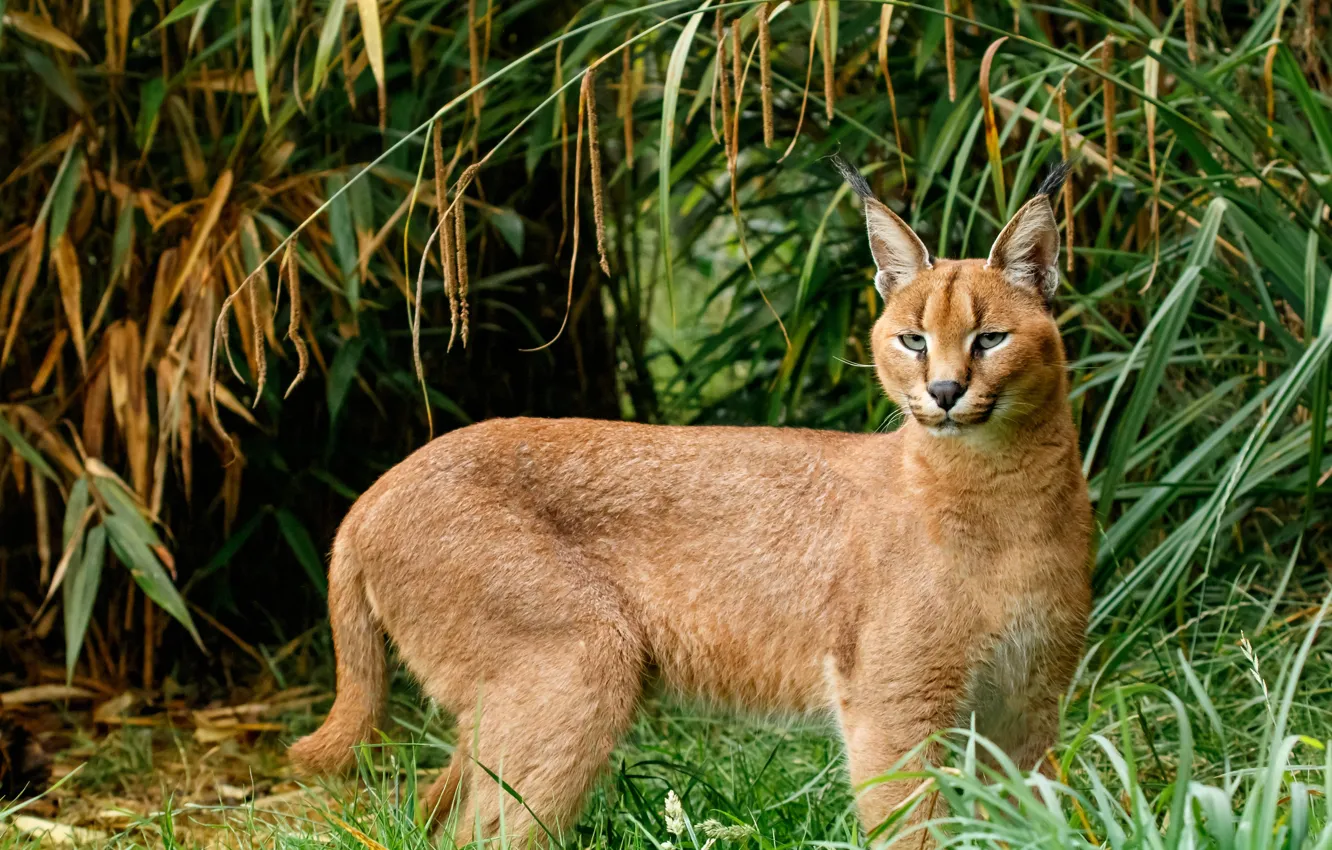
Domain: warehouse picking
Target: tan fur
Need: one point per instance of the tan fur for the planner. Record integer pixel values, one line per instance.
(531, 572)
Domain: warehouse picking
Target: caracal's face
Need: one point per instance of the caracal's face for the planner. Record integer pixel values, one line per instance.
(967, 347)
(964, 351)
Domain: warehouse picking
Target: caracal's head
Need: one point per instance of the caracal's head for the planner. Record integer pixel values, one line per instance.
(968, 347)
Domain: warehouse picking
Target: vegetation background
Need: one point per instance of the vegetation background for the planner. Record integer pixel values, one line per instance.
(253, 190)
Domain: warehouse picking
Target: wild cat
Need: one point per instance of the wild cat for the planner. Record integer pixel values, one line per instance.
(530, 572)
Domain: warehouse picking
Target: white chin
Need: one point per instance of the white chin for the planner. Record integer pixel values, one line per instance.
(947, 428)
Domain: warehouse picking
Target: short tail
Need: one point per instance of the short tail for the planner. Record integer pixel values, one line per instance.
(359, 644)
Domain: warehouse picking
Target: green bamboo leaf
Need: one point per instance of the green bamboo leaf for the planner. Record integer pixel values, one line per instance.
(181, 12)
(261, 28)
(80, 594)
(1158, 341)
(152, 93)
(25, 449)
(510, 227)
(62, 196)
(341, 374)
(135, 552)
(298, 539)
(123, 241)
(74, 508)
(328, 36)
(670, 97)
(55, 79)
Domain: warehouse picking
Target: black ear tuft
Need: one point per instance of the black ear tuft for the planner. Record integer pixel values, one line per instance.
(853, 177)
(1054, 180)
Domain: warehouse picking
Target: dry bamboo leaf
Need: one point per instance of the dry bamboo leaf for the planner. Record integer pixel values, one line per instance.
(1191, 29)
(32, 264)
(129, 398)
(991, 127)
(1108, 66)
(50, 442)
(374, 51)
(199, 237)
(48, 362)
(41, 511)
(289, 263)
(950, 47)
(594, 161)
(829, 60)
(765, 70)
(1091, 153)
(809, 75)
(44, 154)
(95, 399)
(66, 261)
(348, 78)
(40, 29)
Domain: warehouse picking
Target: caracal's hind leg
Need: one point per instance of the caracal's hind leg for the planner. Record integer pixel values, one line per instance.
(545, 725)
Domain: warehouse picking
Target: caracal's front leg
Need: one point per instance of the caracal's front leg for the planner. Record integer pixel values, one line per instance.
(884, 716)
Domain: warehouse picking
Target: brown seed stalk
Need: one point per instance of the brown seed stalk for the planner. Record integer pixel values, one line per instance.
(737, 77)
(1191, 29)
(474, 60)
(1065, 150)
(589, 95)
(829, 57)
(885, 26)
(765, 70)
(252, 284)
(809, 75)
(949, 51)
(1108, 66)
(294, 323)
(446, 249)
(723, 83)
(460, 238)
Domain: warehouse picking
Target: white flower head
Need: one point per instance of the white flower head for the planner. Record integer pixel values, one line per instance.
(675, 817)
(716, 829)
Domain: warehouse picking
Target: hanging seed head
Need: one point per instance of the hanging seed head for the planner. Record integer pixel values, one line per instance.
(829, 57)
(765, 71)
(589, 95)
(294, 323)
(950, 51)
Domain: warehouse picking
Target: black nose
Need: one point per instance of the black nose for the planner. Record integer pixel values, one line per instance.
(945, 393)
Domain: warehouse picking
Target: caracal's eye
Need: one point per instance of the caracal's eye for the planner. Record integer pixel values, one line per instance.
(912, 342)
(991, 339)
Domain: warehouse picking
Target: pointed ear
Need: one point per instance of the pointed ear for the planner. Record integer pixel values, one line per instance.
(1027, 250)
(898, 252)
